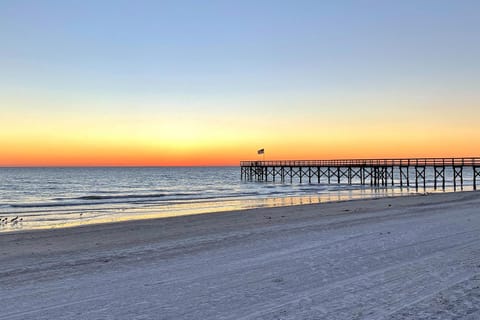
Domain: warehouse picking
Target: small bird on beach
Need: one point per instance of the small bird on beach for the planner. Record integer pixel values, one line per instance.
(14, 219)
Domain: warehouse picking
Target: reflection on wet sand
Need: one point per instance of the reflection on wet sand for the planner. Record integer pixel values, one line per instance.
(66, 217)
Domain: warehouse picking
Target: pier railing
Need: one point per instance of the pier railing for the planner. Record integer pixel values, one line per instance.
(421, 162)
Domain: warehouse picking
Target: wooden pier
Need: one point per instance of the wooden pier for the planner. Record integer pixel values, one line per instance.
(375, 172)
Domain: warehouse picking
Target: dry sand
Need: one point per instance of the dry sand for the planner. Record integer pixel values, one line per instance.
(412, 257)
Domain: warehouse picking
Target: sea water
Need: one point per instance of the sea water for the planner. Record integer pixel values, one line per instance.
(63, 197)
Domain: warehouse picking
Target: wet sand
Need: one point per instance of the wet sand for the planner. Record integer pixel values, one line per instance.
(415, 257)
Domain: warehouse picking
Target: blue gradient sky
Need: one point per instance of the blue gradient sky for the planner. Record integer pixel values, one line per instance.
(289, 69)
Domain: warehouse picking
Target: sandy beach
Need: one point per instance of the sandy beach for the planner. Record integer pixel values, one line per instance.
(415, 257)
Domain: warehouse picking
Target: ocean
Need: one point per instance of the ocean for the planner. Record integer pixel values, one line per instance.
(65, 197)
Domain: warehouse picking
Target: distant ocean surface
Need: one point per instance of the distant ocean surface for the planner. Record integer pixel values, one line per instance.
(63, 197)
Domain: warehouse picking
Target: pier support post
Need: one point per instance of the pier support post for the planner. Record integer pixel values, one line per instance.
(419, 174)
(367, 172)
(476, 173)
(404, 175)
(355, 172)
(324, 172)
(457, 174)
(389, 175)
(439, 172)
(408, 176)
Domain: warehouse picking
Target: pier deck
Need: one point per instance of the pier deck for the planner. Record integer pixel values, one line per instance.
(376, 172)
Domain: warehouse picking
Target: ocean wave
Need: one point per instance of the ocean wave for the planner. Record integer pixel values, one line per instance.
(173, 195)
(102, 199)
(92, 200)
(124, 196)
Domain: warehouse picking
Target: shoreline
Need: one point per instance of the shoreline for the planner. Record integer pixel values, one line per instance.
(130, 221)
(381, 257)
(161, 211)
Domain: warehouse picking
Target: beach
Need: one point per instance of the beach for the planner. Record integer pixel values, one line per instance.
(410, 257)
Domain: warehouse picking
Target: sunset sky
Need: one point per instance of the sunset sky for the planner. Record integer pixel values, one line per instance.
(210, 82)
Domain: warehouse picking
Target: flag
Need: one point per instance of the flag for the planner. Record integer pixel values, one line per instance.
(261, 151)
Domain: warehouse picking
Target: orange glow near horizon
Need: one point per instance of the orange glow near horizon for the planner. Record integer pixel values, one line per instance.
(208, 143)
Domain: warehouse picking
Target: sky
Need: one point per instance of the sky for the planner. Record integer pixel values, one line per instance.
(146, 83)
